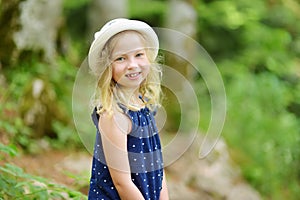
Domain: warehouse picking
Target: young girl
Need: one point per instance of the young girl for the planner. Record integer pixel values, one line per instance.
(127, 162)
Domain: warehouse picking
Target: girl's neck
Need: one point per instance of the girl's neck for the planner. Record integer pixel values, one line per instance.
(129, 97)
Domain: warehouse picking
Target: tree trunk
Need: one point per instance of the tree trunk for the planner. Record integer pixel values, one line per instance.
(9, 23)
(180, 17)
(40, 21)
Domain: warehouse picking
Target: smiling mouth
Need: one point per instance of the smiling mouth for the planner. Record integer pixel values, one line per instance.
(133, 75)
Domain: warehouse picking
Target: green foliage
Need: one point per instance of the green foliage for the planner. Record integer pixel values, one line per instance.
(75, 14)
(65, 135)
(269, 133)
(11, 150)
(151, 11)
(16, 184)
(146, 8)
(19, 79)
(13, 125)
(69, 4)
(258, 60)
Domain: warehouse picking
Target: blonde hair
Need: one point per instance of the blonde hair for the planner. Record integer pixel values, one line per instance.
(105, 98)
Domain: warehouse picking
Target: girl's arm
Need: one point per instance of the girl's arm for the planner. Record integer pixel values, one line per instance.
(164, 195)
(114, 130)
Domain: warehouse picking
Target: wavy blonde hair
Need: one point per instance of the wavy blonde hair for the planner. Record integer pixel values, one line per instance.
(105, 98)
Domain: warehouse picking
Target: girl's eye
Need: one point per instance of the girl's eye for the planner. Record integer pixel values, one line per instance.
(120, 59)
(139, 54)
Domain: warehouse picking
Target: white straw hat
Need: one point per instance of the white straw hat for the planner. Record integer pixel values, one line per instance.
(113, 27)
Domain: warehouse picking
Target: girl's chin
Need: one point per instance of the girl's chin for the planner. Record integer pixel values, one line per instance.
(131, 86)
(129, 83)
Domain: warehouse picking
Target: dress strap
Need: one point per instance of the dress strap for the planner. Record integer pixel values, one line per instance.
(95, 117)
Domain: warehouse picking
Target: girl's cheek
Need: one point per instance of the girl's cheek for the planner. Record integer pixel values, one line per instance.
(146, 66)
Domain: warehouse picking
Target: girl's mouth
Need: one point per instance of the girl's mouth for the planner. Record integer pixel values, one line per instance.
(133, 75)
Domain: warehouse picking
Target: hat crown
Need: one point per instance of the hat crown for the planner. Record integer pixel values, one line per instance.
(108, 25)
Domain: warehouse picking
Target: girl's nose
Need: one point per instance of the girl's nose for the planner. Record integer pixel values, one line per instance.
(132, 63)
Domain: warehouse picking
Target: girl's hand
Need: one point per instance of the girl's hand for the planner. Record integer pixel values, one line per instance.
(164, 194)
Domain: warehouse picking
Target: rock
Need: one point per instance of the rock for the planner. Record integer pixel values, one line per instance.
(243, 191)
(76, 163)
(179, 191)
(215, 177)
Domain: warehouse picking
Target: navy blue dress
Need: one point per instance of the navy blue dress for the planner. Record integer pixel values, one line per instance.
(144, 155)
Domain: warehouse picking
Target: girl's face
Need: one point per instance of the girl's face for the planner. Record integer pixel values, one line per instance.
(130, 65)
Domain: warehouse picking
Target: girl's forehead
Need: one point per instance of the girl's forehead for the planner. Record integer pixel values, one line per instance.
(128, 42)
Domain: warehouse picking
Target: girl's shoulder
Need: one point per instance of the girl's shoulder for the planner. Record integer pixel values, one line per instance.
(117, 120)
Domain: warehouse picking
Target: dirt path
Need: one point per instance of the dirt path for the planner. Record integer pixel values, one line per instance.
(58, 166)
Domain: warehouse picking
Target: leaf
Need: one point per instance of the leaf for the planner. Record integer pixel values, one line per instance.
(10, 149)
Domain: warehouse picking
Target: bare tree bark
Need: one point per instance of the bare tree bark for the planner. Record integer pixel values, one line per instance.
(39, 24)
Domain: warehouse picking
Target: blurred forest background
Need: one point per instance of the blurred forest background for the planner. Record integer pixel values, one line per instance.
(255, 44)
